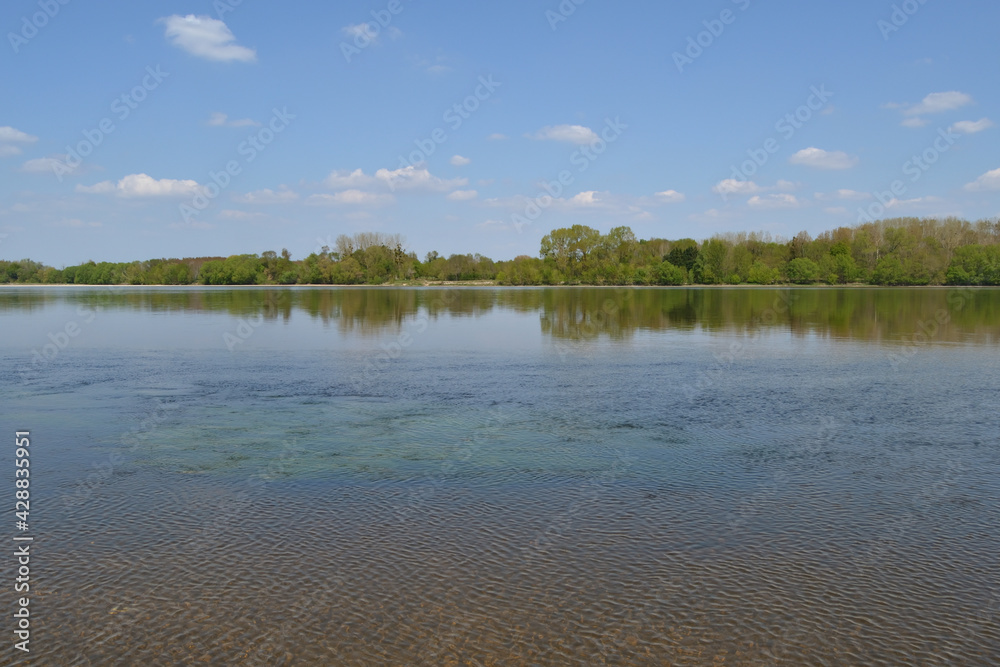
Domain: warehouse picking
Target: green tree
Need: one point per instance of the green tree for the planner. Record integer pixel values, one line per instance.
(839, 268)
(683, 253)
(621, 245)
(761, 274)
(710, 267)
(570, 248)
(975, 265)
(802, 271)
(889, 271)
(668, 274)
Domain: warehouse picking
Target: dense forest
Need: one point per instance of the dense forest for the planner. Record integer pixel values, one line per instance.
(901, 251)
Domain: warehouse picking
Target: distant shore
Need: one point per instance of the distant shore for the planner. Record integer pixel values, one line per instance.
(896, 252)
(491, 283)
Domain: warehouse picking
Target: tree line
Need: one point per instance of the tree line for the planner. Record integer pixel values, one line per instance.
(900, 251)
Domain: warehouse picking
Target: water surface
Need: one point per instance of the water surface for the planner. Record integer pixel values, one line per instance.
(504, 476)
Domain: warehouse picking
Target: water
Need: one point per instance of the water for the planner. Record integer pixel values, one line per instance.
(502, 477)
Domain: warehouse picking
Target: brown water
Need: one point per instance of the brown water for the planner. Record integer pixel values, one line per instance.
(690, 477)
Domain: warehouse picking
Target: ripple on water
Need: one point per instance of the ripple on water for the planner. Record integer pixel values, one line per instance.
(375, 574)
(564, 514)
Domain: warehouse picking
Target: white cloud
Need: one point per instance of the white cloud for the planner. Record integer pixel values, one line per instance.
(774, 201)
(463, 195)
(351, 198)
(48, 165)
(670, 196)
(821, 159)
(712, 216)
(219, 119)
(933, 103)
(495, 224)
(517, 201)
(343, 179)
(361, 30)
(988, 181)
(141, 185)
(972, 127)
(496, 136)
(574, 134)
(412, 178)
(205, 37)
(731, 186)
(903, 203)
(607, 203)
(843, 193)
(371, 33)
(267, 196)
(938, 103)
(438, 65)
(640, 214)
(588, 198)
(10, 135)
(459, 161)
(407, 178)
(102, 188)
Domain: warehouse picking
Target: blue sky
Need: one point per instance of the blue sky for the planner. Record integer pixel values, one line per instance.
(166, 129)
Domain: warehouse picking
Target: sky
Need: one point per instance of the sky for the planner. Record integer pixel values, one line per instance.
(211, 128)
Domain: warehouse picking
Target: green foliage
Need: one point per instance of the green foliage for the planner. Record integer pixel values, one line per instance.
(975, 265)
(761, 274)
(840, 248)
(620, 245)
(889, 271)
(710, 267)
(24, 271)
(235, 270)
(642, 276)
(668, 274)
(903, 251)
(570, 250)
(522, 270)
(839, 268)
(802, 271)
(683, 253)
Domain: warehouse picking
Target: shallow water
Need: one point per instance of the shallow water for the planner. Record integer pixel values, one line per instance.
(502, 477)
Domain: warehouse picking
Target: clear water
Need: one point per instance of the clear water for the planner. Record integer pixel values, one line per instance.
(502, 477)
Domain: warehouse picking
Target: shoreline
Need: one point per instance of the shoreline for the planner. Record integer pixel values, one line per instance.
(486, 283)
